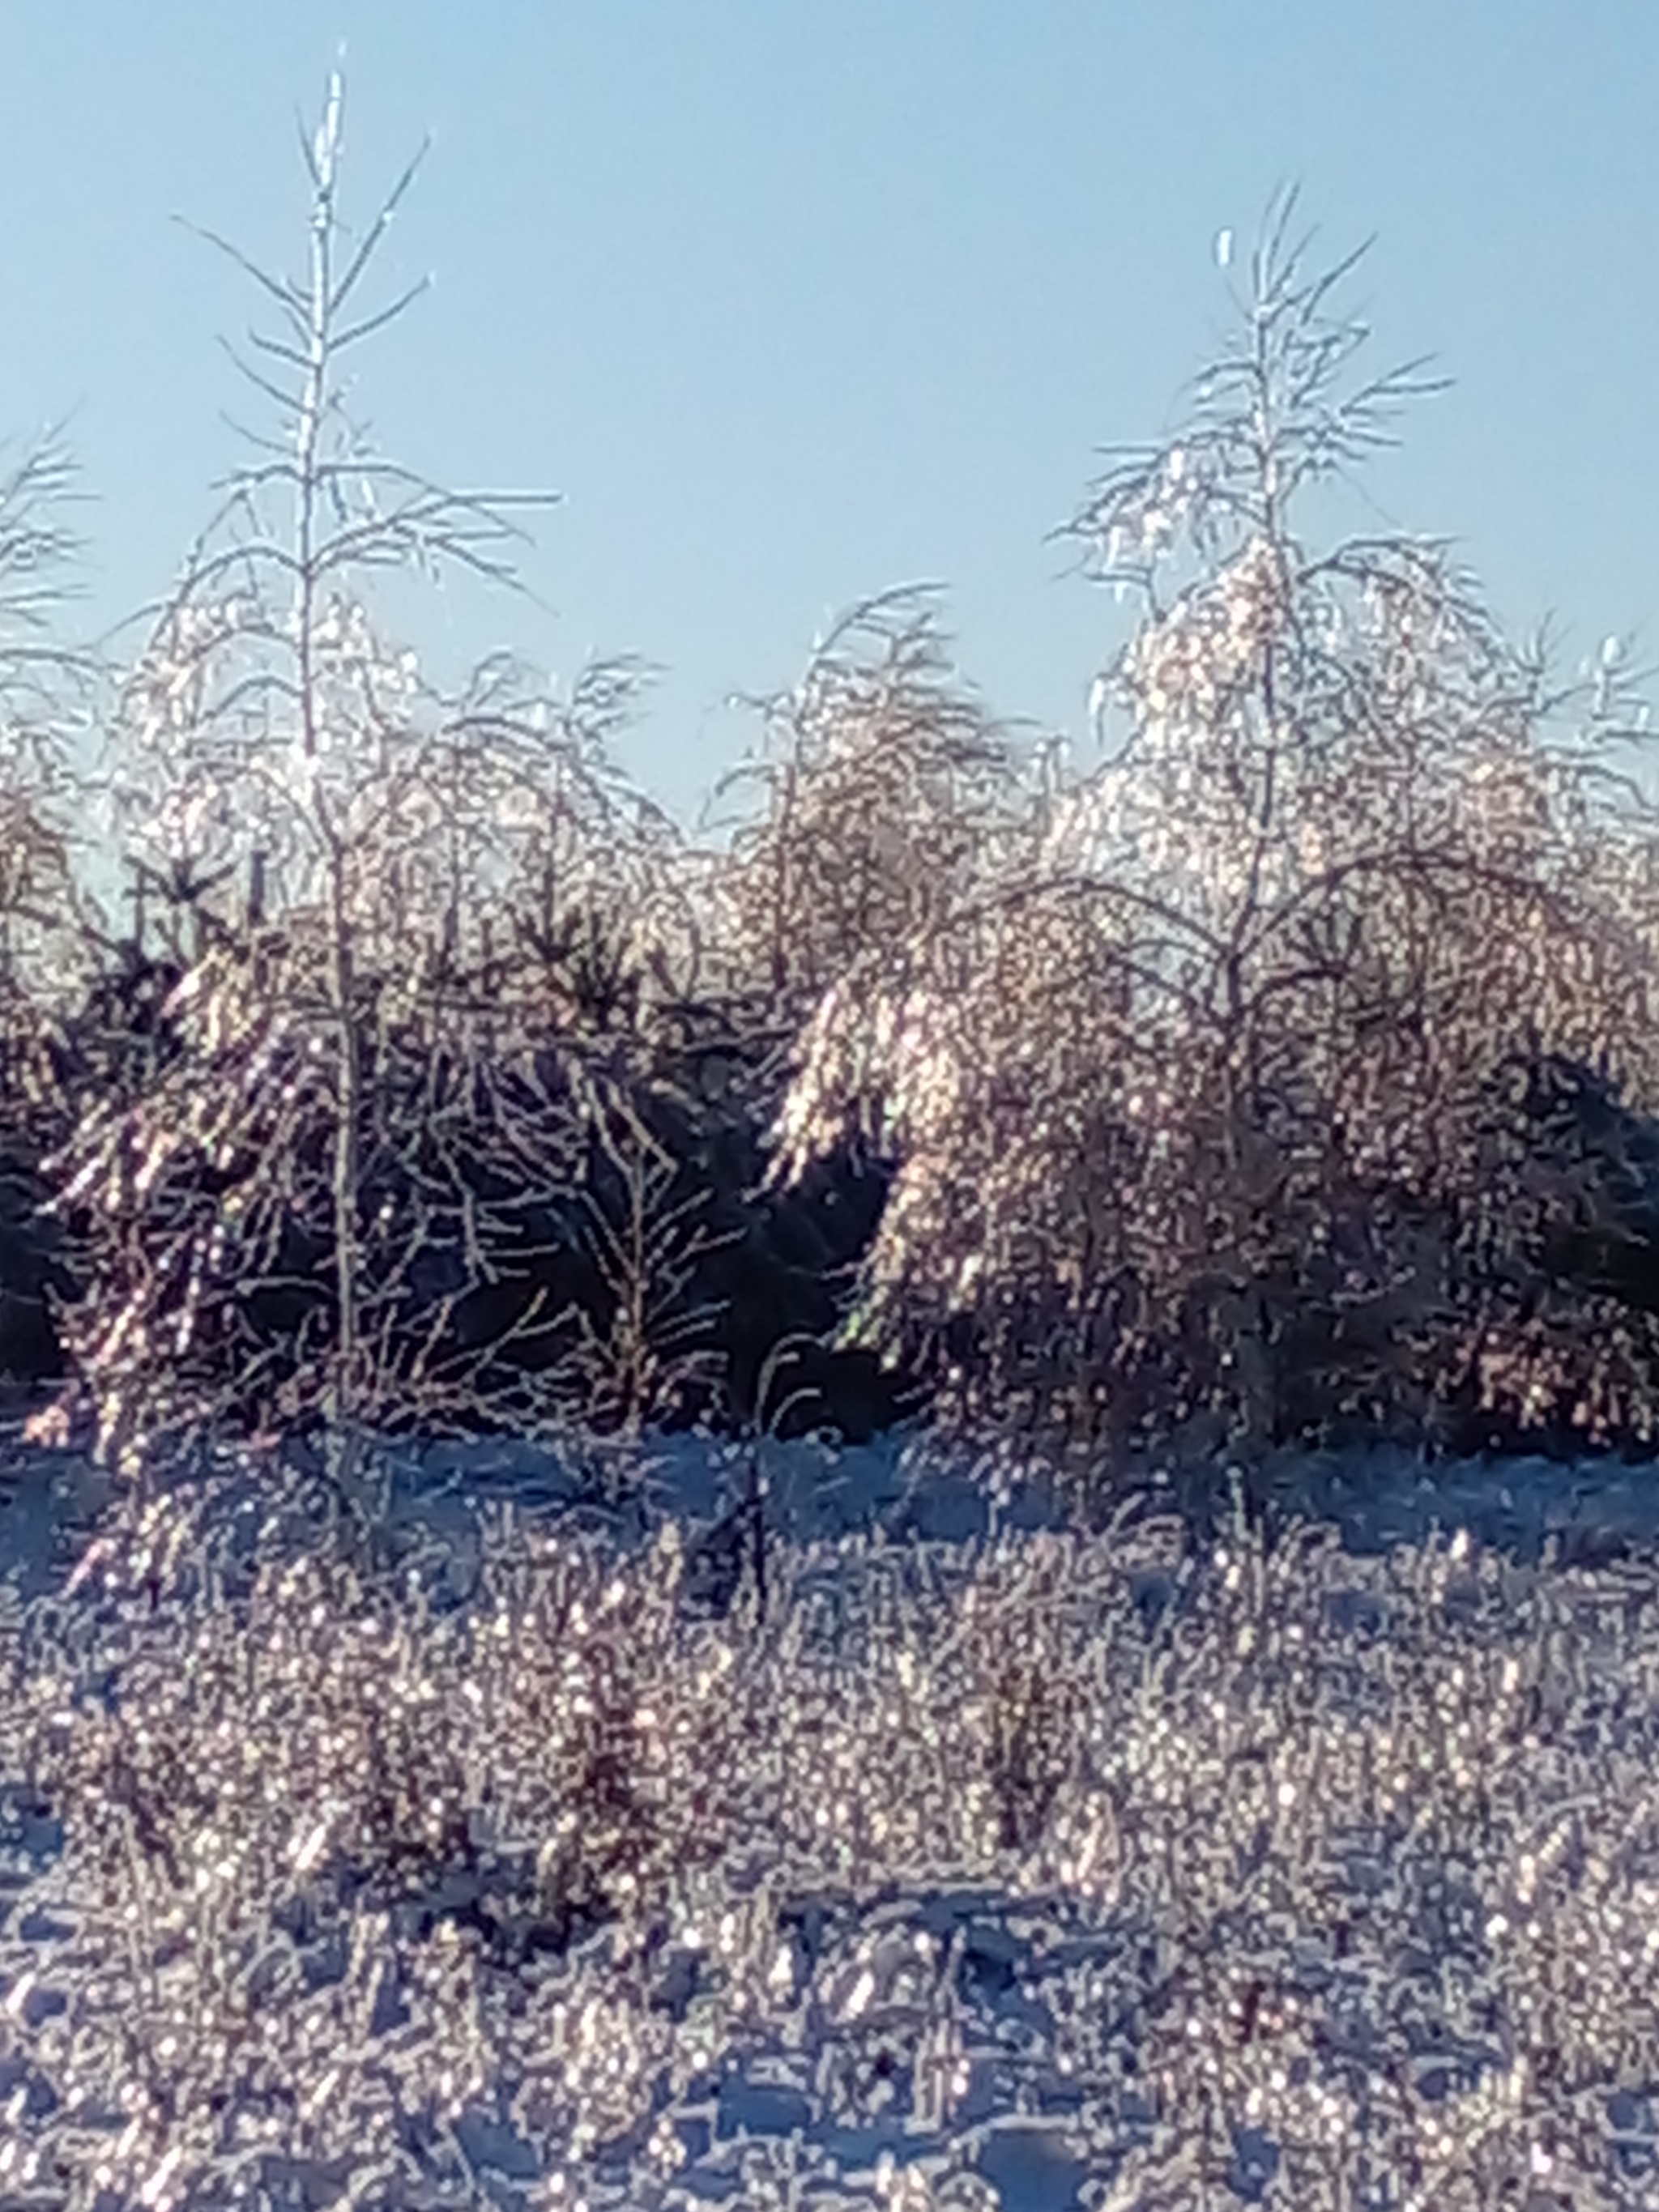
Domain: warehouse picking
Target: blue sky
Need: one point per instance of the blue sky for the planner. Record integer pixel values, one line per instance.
(793, 302)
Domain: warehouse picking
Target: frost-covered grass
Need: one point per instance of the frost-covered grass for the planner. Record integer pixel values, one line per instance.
(1066, 1867)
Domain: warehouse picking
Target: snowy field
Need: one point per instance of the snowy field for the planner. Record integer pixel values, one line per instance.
(990, 2034)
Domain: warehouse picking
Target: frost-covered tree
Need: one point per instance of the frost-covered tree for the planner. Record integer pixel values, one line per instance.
(888, 790)
(1215, 1047)
(410, 856)
(48, 691)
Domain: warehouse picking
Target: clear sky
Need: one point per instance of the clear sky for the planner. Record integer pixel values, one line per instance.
(793, 302)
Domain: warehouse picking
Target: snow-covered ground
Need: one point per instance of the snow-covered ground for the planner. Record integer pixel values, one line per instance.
(824, 2100)
(904, 1485)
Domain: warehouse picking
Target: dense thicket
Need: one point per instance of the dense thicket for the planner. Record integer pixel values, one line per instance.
(1288, 1076)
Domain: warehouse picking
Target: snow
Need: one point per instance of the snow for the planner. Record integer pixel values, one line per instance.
(961, 1968)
